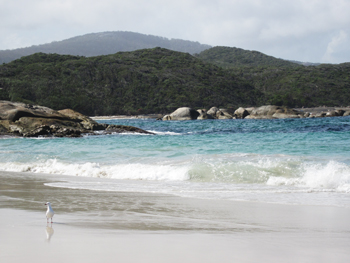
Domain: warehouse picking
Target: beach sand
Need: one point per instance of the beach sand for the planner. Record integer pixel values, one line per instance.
(93, 226)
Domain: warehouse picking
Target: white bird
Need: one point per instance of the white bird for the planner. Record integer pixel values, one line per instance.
(49, 212)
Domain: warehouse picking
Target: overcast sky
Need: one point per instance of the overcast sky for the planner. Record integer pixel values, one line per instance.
(303, 30)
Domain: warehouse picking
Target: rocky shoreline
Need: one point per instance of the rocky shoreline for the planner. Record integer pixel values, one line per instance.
(24, 120)
(263, 112)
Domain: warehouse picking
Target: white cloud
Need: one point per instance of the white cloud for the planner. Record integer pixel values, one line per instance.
(339, 44)
(299, 29)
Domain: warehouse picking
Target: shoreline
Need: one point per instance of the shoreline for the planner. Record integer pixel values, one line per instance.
(313, 111)
(322, 109)
(125, 117)
(134, 227)
(25, 239)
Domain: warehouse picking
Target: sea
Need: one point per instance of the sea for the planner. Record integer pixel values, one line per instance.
(285, 161)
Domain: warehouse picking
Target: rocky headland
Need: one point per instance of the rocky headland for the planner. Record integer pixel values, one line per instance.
(20, 119)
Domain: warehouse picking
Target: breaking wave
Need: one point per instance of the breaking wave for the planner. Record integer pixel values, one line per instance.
(276, 171)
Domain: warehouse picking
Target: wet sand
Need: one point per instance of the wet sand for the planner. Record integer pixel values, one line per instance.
(91, 226)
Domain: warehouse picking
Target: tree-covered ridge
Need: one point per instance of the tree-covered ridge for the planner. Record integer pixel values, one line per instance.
(231, 57)
(104, 43)
(159, 81)
(144, 81)
(283, 82)
(312, 86)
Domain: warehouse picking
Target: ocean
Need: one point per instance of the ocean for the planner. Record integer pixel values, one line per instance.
(286, 161)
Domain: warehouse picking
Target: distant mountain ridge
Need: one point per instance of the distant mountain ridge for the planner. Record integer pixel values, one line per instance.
(105, 43)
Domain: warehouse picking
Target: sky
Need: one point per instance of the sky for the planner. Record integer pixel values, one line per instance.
(304, 30)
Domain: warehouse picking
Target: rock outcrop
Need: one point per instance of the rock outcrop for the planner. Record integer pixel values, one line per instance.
(212, 111)
(220, 113)
(203, 115)
(26, 120)
(241, 113)
(263, 112)
(224, 114)
(273, 112)
(181, 114)
(323, 111)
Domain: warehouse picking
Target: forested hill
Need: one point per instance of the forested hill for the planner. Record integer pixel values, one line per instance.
(231, 57)
(160, 80)
(145, 81)
(104, 43)
(309, 86)
(284, 82)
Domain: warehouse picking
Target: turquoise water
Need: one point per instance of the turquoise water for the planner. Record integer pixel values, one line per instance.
(293, 160)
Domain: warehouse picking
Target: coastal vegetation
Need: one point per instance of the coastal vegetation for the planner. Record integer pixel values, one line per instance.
(284, 82)
(144, 81)
(159, 80)
(231, 57)
(301, 86)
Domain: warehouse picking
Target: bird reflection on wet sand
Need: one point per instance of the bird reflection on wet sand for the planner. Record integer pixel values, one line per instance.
(49, 232)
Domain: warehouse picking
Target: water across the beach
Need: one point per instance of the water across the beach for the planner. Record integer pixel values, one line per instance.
(292, 161)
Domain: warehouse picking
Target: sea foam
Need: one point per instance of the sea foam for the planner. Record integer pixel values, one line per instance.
(233, 169)
(332, 175)
(134, 171)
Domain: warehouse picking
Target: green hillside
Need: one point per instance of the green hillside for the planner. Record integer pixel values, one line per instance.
(160, 80)
(310, 86)
(283, 82)
(231, 57)
(144, 81)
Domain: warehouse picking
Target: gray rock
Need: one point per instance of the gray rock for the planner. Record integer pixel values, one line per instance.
(85, 121)
(123, 129)
(166, 118)
(347, 113)
(250, 109)
(285, 115)
(241, 113)
(13, 111)
(320, 115)
(223, 115)
(273, 112)
(181, 114)
(212, 111)
(20, 119)
(332, 114)
(204, 116)
(340, 112)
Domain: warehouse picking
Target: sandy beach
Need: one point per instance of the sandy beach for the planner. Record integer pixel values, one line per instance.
(91, 226)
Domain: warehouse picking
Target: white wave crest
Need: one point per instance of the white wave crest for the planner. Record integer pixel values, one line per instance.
(333, 175)
(245, 169)
(134, 171)
(165, 133)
